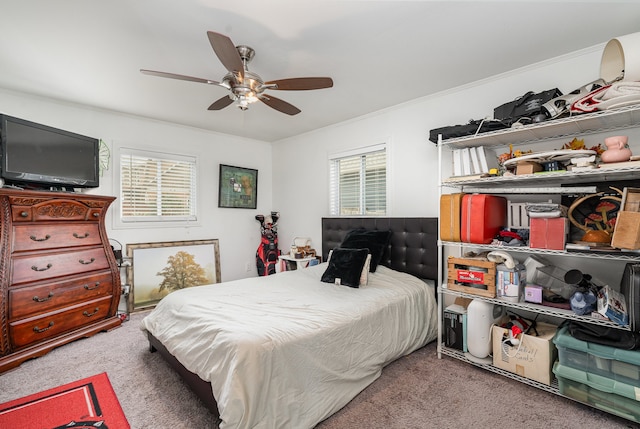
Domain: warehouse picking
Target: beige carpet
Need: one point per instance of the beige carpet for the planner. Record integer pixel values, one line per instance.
(417, 391)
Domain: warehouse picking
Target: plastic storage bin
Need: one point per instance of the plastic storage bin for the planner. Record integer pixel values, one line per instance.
(616, 364)
(604, 393)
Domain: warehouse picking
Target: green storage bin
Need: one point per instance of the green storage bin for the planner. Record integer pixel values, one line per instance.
(604, 393)
(610, 362)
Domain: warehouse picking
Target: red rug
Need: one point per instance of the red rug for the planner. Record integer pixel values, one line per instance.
(87, 403)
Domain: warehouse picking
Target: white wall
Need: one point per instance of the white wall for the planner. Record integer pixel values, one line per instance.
(236, 229)
(300, 164)
(293, 173)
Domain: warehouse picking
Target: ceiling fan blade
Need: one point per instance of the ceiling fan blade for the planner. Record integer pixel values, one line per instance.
(221, 103)
(227, 53)
(280, 105)
(180, 76)
(301, 83)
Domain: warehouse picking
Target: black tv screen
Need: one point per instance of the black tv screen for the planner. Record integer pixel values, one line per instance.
(36, 154)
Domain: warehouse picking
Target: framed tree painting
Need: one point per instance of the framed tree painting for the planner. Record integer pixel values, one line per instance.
(238, 187)
(158, 269)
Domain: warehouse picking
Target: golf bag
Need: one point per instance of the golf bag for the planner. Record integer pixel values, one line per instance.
(268, 252)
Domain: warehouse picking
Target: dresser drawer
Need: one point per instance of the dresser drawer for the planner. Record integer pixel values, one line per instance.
(49, 265)
(50, 236)
(57, 209)
(39, 299)
(35, 329)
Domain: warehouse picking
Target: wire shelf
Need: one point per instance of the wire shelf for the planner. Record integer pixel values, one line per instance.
(566, 177)
(458, 354)
(600, 121)
(538, 309)
(629, 256)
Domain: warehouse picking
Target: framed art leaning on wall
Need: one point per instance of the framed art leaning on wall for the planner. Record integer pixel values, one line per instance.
(238, 187)
(158, 269)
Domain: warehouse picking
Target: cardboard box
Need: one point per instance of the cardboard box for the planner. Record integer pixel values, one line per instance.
(548, 233)
(533, 358)
(510, 282)
(612, 305)
(527, 167)
(630, 200)
(626, 234)
(533, 293)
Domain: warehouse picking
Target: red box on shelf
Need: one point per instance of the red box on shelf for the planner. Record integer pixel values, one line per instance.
(548, 233)
(483, 216)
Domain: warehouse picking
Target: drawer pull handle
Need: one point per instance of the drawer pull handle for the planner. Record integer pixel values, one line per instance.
(35, 267)
(40, 330)
(83, 262)
(24, 214)
(96, 286)
(34, 238)
(96, 215)
(36, 299)
(76, 235)
(86, 313)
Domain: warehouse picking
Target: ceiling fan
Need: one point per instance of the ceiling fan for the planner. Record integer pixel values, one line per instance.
(247, 87)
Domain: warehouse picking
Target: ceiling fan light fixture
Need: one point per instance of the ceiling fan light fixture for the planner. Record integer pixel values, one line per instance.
(246, 87)
(244, 100)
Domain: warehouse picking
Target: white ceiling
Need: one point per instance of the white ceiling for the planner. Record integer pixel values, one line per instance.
(379, 53)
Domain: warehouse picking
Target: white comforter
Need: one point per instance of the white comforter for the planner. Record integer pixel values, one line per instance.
(286, 350)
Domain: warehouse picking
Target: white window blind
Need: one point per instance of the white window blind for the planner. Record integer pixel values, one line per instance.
(358, 183)
(157, 187)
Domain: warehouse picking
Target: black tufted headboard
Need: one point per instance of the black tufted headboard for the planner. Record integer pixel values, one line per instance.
(413, 247)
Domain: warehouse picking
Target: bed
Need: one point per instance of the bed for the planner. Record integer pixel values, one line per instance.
(289, 350)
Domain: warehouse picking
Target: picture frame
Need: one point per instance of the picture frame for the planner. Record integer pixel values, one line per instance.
(153, 266)
(237, 187)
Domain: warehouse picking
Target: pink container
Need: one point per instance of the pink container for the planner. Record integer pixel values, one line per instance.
(617, 149)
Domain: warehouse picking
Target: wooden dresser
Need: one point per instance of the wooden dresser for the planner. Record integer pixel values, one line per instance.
(59, 280)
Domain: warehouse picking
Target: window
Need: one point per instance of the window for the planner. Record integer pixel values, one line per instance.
(157, 186)
(358, 182)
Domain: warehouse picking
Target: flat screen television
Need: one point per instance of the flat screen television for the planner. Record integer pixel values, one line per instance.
(39, 156)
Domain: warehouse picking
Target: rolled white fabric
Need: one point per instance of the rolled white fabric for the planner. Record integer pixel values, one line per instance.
(620, 89)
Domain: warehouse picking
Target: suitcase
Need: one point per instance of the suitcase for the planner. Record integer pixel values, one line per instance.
(450, 212)
(630, 288)
(483, 216)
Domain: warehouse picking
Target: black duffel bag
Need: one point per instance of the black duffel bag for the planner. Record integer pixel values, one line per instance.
(604, 335)
(474, 126)
(525, 106)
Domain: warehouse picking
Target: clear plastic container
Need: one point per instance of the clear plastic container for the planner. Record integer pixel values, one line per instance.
(552, 278)
(603, 393)
(618, 365)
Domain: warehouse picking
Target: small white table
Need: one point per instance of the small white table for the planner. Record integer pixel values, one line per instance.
(300, 262)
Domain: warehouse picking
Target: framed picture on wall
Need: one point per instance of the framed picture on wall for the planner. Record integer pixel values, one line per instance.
(238, 187)
(160, 268)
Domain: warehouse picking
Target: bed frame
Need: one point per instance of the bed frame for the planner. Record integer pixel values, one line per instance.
(412, 249)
